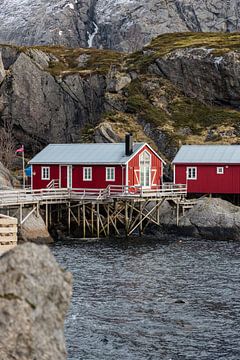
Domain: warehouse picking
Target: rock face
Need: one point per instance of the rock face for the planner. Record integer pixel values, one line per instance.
(35, 295)
(117, 24)
(7, 181)
(208, 82)
(45, 108)
(210, 218)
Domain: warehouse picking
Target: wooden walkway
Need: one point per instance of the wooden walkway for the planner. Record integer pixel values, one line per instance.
(96, 212)
(61, 195)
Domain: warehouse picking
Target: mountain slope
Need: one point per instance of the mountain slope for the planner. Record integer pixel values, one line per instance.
(117, 24)
(182, 88)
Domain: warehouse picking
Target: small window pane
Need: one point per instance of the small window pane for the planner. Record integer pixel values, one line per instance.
(191, 173)
(110, 174)
(220, 170)
(87, 173)
(45, 173)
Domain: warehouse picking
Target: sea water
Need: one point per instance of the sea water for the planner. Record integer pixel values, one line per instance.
(151, 299)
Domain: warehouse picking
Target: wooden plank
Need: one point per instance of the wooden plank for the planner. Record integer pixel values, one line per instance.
(9, 221)
(8, 230)
(8, 239)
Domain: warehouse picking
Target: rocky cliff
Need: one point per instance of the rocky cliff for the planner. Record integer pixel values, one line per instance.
(181, 88)
(117, 24)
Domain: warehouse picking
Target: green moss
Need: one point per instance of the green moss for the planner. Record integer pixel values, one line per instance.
(220, 43)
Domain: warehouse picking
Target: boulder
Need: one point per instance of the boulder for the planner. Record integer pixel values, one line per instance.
(35, 294)
(210, 218)
(105, 134)
(34, 229)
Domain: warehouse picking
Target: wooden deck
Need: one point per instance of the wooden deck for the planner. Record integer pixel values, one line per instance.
(99, 212)
(8, 232)
(62, 195)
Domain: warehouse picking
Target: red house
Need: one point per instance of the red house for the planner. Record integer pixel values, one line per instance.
(208, 169)
(95, 166)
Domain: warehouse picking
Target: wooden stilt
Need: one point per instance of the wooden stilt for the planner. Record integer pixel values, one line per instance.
(84, 220)
(98, 221)
(69, 219)
(177, 213)
(78, 208)
(126, 218)
(46, 216)
(108, 222)
(141, 223)
(92, 217)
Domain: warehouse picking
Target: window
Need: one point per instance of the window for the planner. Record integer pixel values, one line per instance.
(87, 173)
(145, 160)
(191, 173)
(220, 170)
(110, 174)
(45, 173)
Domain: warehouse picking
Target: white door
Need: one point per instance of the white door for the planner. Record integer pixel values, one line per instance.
(69, 176)
(145, 169)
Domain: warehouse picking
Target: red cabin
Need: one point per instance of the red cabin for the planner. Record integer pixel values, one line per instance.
(208, 169)
(96, 166)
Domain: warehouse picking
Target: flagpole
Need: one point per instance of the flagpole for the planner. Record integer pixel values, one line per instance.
(23, 167)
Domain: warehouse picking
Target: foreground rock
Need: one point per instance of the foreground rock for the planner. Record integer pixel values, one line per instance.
(35, 295)
(214, 219)
(34, 230)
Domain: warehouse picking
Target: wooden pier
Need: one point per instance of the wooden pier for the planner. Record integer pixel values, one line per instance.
(116, 210)
(8, 232)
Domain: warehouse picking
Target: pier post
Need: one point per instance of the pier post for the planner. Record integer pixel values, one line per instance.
(141, 222)
(126, 218)
(46, 216)
(84, 220)
(79, 215)
(69, 219)
(98, 219)
(108, 219)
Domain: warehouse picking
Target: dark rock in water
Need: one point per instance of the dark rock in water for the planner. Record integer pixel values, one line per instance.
(35, 294)
(210, 218)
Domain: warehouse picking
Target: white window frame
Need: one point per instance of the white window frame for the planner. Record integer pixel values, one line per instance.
(45, 172)
(220, 170)
(110, 169)
(189, 176)
(87, 170)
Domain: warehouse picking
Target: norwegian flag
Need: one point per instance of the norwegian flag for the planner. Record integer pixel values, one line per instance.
(20, 150)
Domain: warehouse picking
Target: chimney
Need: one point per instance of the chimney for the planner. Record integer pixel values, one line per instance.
(129, 144)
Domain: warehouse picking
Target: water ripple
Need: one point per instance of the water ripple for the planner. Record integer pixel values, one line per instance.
(151, 300)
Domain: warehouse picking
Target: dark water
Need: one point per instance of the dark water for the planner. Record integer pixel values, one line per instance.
(153, 300)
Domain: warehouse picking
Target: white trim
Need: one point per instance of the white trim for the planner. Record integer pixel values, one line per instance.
(150, 148)
(154, 176)
(87, 168)
(192, 178)
(174, 174)
(42, 172)
(220, 170)
(150, 169)
(69, 168)
(31, 176)
(106, 173)
(137, 176)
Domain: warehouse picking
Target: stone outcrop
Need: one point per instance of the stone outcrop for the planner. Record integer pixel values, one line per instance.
(210, 218)
(34, 229)
(45, 108)
(216, 77)
(117, 24)
(35, 294)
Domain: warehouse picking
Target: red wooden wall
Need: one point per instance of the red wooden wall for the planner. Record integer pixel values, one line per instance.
(208, 181)
(98, 176)
(134, 169)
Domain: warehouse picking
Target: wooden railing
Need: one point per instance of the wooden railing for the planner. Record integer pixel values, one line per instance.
(25, 196)
(54, 184)
(8, 232)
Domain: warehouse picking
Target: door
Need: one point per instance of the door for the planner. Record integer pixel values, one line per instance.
(66, 176)
(145, 169)
(63, 176)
